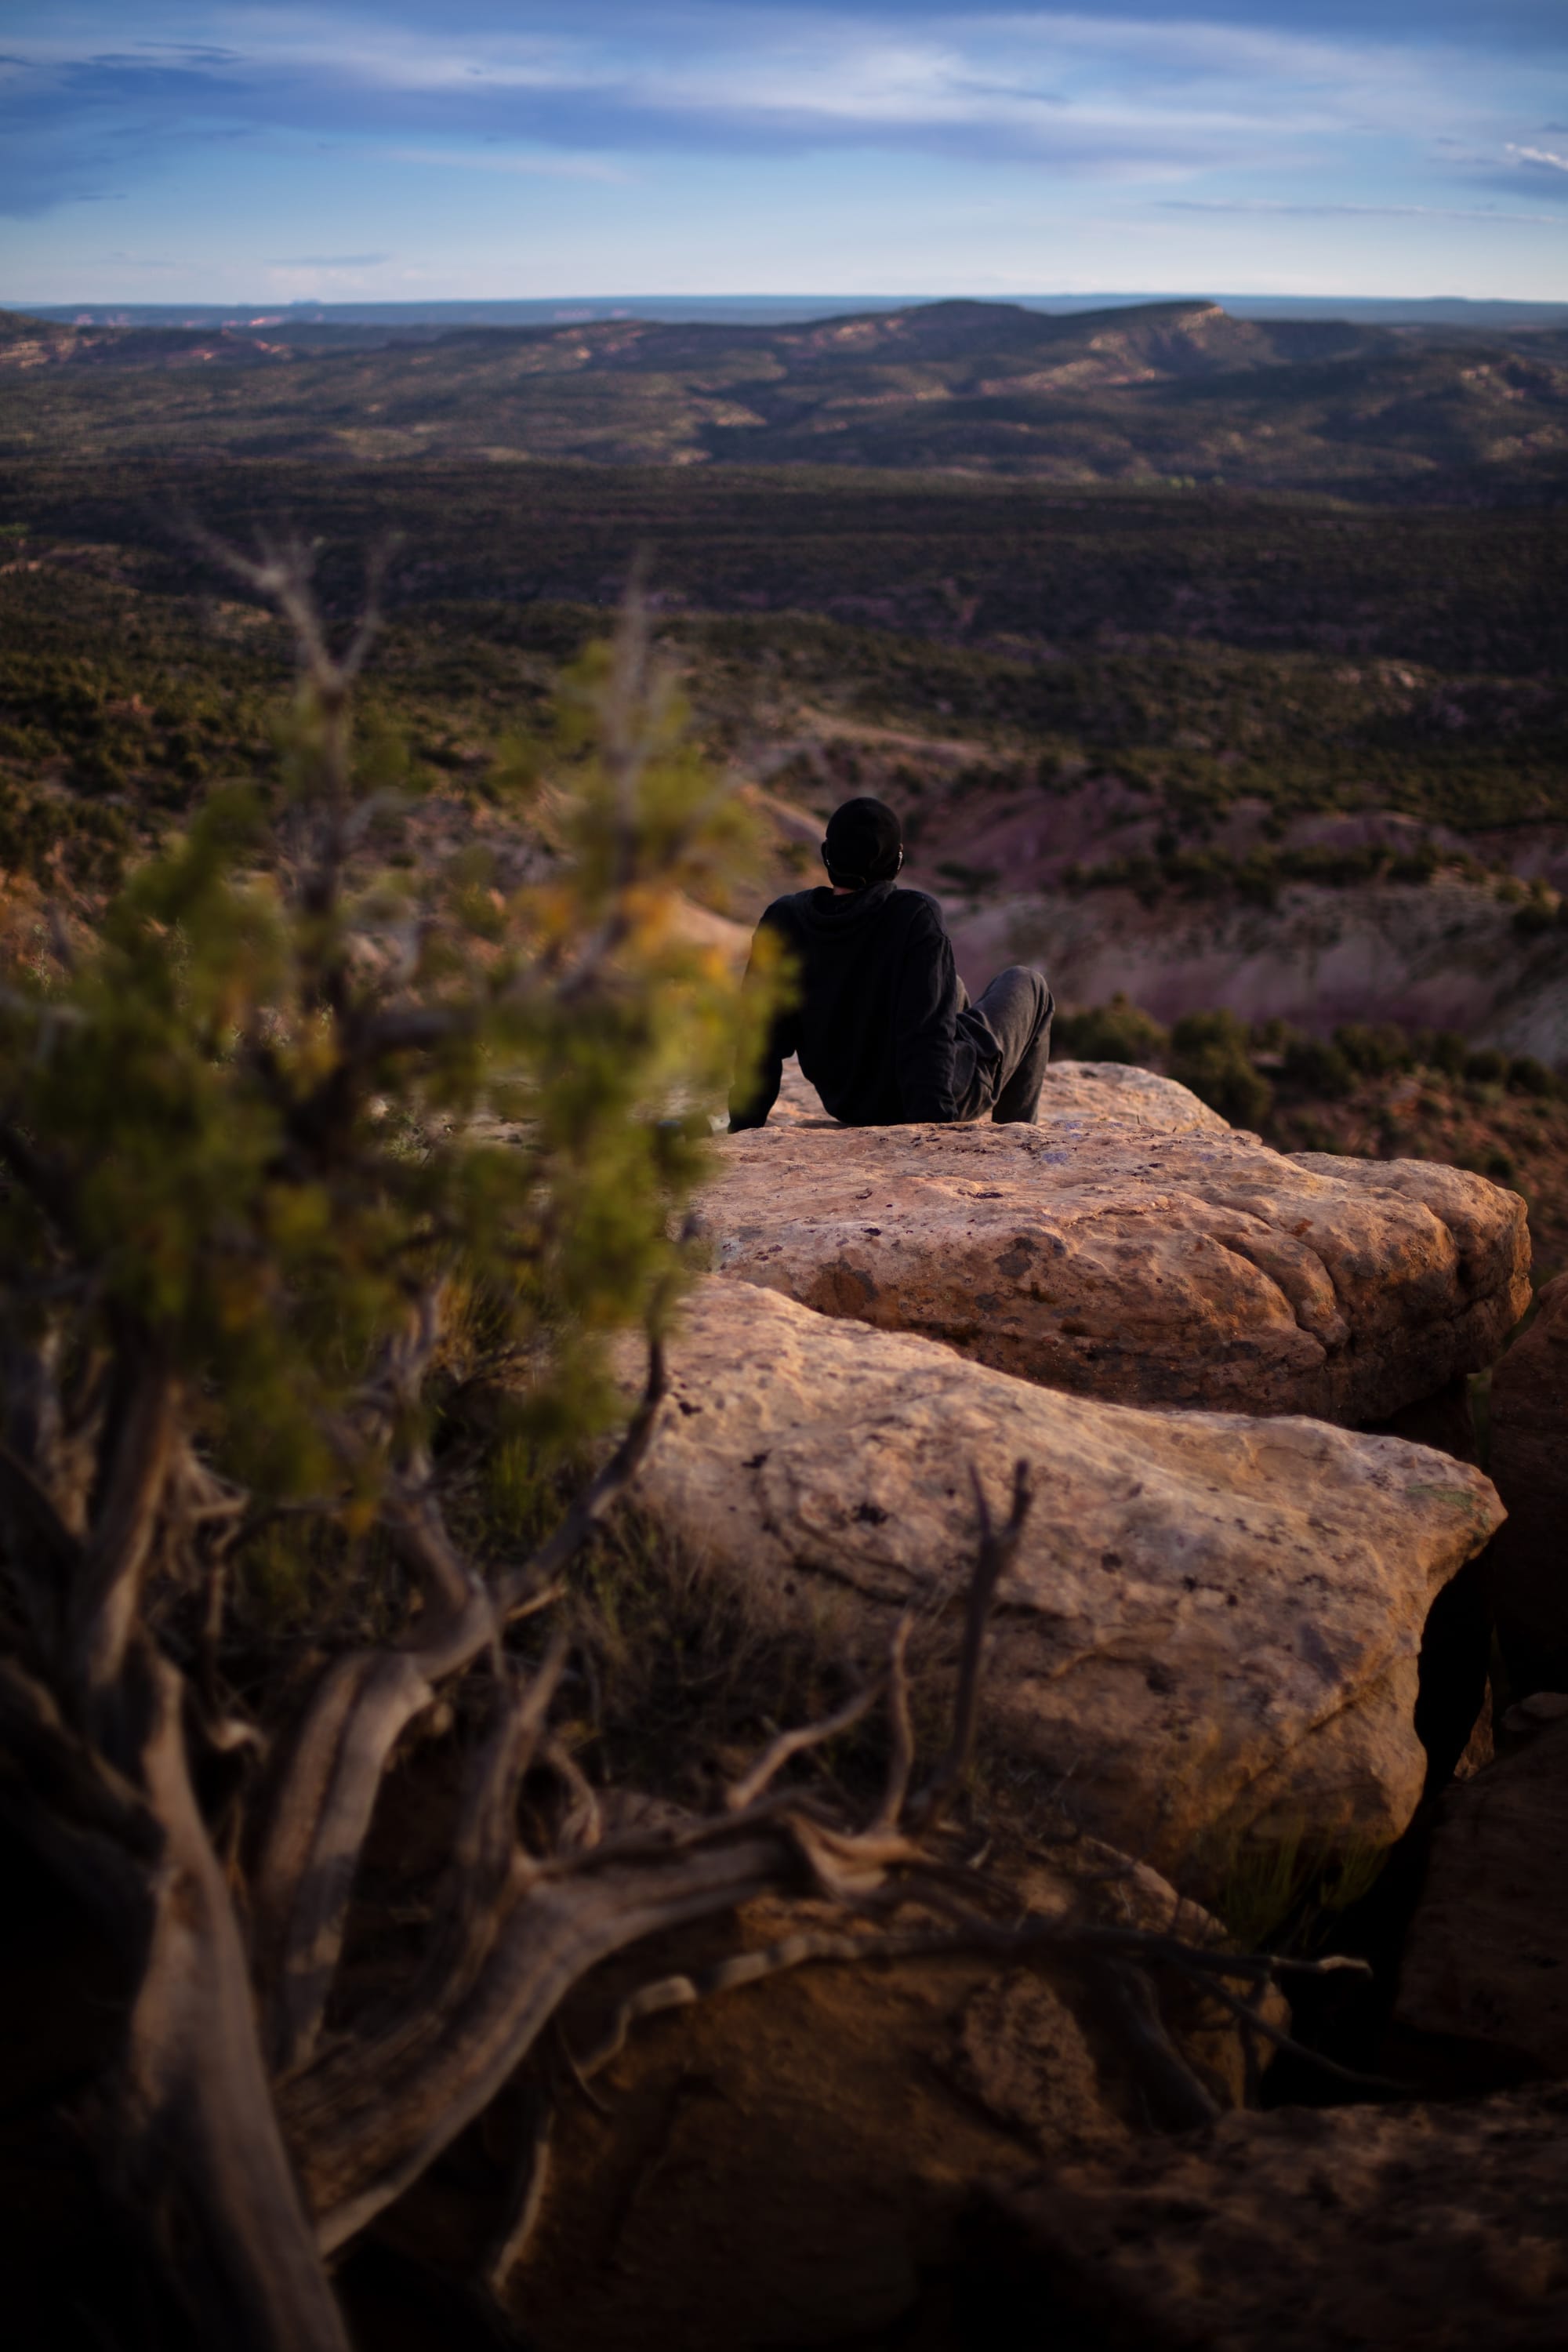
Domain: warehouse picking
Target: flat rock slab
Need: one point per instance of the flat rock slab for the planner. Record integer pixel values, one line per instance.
(1126, 1249)
(1382, 2228)
(1103, 1090)
(1210, 1633)
(1485, 1960)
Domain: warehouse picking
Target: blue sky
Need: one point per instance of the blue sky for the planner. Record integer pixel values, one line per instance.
(411, 151)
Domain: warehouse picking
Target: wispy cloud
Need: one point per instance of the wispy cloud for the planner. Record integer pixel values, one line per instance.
(1309, 210)
(1134, 111)
(330, 260)
(549, 167)
(1072, 88)
(1542, 156)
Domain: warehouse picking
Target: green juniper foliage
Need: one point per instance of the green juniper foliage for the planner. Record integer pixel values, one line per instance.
(1210, 1052)
(323, 1089)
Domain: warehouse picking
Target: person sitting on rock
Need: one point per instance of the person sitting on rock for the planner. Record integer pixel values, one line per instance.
(880, 1019)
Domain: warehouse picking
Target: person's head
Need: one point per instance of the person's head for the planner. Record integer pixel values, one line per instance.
(865, 843)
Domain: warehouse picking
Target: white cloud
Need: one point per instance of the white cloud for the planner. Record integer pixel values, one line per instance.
(769, 110)
(1181, 81)
(1378, 212)
(548, 167)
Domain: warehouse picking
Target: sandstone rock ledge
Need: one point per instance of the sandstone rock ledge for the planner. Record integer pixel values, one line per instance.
(1099, 1090)
(1211, 1630)
(1127, 1249)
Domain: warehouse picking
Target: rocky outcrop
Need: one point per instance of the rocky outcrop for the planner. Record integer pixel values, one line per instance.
(1485, 1961)
(1529, 1461)
(1212, 1629)
(1113, 1253)
(782, 2163)
(1384, 2228)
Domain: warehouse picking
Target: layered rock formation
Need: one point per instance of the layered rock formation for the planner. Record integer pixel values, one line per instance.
(1529, 1461)
(1127, 1248)
(1211, 1631)
(1439, 955)
(1486, 1962)
(1383, 2228)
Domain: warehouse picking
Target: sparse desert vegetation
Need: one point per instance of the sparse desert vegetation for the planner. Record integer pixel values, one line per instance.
(1173, 395)
(398, 1754)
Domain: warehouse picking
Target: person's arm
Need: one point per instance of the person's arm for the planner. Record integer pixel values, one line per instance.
(750, 1103)
(924, 1011)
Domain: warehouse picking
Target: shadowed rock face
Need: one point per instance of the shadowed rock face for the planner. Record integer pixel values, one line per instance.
(1530, 1462)
(1487, 1958)
(1211, 1631)
(812, 2147)
(1384, 2228)
(1131, 1247)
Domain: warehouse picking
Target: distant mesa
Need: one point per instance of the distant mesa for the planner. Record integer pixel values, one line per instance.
(1174, 392)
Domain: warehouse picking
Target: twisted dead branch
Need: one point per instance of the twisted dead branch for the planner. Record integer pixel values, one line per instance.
(284, 2139)
(998, 1547)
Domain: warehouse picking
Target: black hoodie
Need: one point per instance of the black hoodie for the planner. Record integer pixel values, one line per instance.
(876, 1004)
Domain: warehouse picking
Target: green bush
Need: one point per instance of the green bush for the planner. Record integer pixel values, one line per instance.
(1529, 1076)
(1373, 1050)
(1448, 1050)
(97, 770)
(971, 879)
(1209, 1053)
(1317, 1068)
(1485, 1066)
(1117, 1031)
(269, 1158)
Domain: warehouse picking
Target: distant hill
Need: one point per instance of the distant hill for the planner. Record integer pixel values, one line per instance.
(305, 322)
(1163, 392)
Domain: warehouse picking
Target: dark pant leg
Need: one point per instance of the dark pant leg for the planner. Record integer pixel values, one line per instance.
(1010, 1029)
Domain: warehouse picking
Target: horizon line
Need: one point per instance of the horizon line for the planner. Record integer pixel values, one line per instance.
(743, 294)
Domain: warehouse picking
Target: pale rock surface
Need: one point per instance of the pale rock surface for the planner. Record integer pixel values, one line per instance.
(1486, 1959)
(1132, 1246)
(1115, 1091)
(1212, 1629)
(1382, 2228)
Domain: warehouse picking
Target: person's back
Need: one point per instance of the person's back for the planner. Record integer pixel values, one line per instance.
(876, 996)
(877, 1013)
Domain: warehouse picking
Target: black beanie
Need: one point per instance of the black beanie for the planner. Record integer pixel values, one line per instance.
(865, 843)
